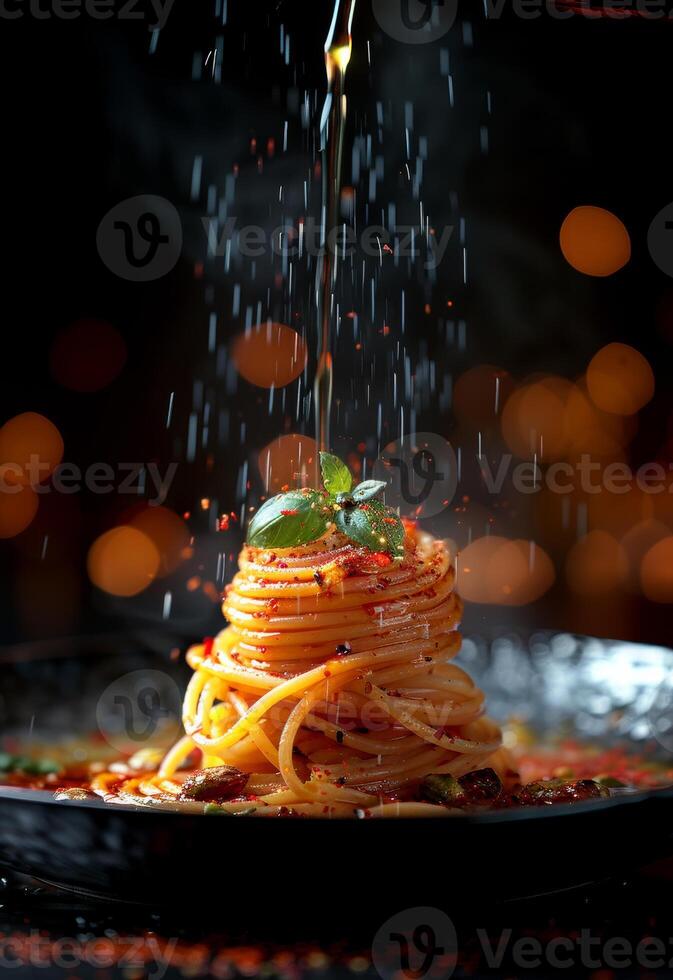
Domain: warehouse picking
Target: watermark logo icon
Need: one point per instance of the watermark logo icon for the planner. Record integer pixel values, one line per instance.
(140, 239)
(139, 707)
(660, 239)
(418, 943)
(415, 21)
(421, 473)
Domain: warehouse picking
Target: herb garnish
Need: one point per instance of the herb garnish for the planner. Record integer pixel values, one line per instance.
(301, 516)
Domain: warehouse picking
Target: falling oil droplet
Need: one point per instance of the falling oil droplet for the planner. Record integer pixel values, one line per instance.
(338, 49)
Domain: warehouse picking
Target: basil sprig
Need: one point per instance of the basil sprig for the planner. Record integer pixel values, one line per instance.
(295, 517)
(301, 516)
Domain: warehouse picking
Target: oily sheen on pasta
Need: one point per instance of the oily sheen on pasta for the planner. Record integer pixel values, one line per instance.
(333, 685)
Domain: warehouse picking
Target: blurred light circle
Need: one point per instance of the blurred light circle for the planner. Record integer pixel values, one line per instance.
(533, 419)
(637, 541)
(123, 561)
(472, 566)
(589, 430)
(620, 380)
(519, 573)
(594, 241)
(168, 532)
(290, 460)
(87, 355)
(18, 507)
(495, 570)
(32, 445)
(480, 394)
(656, 571)
(596, 565)
(617, 513)
(269, 355)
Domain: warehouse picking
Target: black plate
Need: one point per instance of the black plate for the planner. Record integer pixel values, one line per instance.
(605, 692)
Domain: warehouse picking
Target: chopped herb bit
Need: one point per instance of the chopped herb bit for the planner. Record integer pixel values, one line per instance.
(441, 789)
(610, 782)
(480, 786)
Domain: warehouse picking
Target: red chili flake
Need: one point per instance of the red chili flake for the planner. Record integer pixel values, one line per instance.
(365, 507)
(381, 559)
(368, 688)
(389, 520)
(327, 673)
(208, 646)
(285, 487)
(289, 513)
(282, 564)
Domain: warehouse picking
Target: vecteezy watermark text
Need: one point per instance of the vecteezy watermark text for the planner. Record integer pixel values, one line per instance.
(307, 238)
(99, 478)
(586, 474)
(154, 11)
(422, 942)
(424, 21)
(140, 239)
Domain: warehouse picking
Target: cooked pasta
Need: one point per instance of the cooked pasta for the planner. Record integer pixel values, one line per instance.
(333, 685)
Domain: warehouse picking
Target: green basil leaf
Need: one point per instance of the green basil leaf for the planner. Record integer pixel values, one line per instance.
(373, 525)
(336, 476)
(296, 517)
(367, 490)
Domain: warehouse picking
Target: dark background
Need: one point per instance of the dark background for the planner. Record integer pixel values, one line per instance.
(91, 117)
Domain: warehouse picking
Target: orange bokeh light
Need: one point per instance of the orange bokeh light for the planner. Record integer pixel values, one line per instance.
(594, 241)
(123, 561)
(596, 565)
(169, 534)
(620, 380)
(616, 513)
(480, 394)
(290, 460)
(589, 430)
(31, 448)
(18, 507)
(637, 541)
(496, 570)
(87, 355)
(533, 419)
(656, 571)
(270, 355)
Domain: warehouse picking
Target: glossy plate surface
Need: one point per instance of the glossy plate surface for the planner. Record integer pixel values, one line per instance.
(603, 692)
